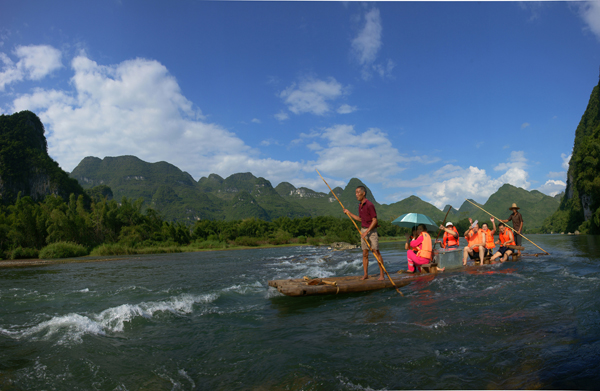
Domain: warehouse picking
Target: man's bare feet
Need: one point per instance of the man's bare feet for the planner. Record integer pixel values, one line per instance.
(381, 278)
(364, 277)
(441, 269)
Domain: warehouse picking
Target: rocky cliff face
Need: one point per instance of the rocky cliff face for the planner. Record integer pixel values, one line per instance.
(25, 166)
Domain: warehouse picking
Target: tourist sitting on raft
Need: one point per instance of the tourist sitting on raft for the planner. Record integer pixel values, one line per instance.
(410, 239)
(505, 238)
(475, 243)
(423, 245)
(489, 238)
(450, 240)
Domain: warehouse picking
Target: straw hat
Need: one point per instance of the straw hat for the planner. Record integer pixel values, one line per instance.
(448, 223)
(514, 206)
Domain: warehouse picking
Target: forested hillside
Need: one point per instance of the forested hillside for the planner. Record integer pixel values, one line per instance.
(580, 206)
(25, 166)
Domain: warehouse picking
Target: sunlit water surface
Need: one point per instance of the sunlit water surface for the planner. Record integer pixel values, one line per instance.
(209, 321)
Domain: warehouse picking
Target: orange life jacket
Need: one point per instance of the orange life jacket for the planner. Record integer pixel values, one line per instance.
(450, 240)
(505, 237)
(489, 240)
(425, 250)
(474, 238)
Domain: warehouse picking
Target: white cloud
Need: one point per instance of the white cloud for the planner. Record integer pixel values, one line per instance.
(590, 13)
(367, 43)
(346, 109)
(552, 187)
(517, 160)
(137, 108)
(35, 63)
(255, 120)
(525, 125)
(566, 159)
(364, 155)
(312, 95)
(453, 184)
(281, 116)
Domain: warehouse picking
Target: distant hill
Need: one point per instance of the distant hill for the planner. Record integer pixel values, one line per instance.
(580, 207)
(177, 196)
(163, 186)
(25, 165)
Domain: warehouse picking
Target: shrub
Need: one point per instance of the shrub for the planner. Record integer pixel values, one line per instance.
(314, 241)
(63, 250)
(301, 239)
(113, 249)
(204, 244)
(246, 241)
(24, 253)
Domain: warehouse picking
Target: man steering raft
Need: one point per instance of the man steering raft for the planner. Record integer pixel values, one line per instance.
(368, 222)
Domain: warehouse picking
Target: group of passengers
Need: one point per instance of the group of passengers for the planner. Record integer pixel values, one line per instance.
(480, 243)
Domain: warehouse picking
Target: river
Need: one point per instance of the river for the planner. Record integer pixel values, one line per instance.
(209, 321)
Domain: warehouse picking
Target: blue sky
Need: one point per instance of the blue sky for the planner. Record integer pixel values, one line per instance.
(443, 100)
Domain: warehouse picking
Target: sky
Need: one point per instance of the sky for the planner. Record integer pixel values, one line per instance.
(442, 100)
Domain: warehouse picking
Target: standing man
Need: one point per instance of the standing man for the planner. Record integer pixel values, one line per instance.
(517, 221)
(368, 222)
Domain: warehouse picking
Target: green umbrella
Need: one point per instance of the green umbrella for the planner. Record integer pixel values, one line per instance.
(410, 220)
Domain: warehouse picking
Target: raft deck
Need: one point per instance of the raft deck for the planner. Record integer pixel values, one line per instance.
(336, 285)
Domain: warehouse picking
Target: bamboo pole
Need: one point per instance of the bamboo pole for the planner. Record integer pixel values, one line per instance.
(545, 252)
(366, 241)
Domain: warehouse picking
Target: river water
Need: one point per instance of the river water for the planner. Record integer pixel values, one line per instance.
(209, 321)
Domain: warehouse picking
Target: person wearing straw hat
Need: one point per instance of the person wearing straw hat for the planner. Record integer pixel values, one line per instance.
(517, 221)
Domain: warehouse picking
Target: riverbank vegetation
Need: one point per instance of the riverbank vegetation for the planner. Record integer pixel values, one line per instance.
(55, 228)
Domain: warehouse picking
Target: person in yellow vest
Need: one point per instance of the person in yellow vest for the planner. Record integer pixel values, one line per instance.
(489, 238)
(451, 238)
(475, 242)
(424, 249)
(505, 238)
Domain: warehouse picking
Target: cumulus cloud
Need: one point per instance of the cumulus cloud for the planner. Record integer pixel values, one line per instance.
(312, 95)
(452, 184)
(255, 120)
(137, 108)
(281, 116)
(590, 13)
(552, 187)
(525, 125)
(346, 109)
(347, 153)
(35, 63)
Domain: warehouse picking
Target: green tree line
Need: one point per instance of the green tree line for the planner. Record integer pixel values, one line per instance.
(97, 225)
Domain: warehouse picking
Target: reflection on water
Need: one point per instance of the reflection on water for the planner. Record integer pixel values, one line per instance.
(209, 321)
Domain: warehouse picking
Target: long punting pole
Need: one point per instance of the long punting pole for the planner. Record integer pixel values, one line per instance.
(440, 231)
(366, 241)
(546, 252)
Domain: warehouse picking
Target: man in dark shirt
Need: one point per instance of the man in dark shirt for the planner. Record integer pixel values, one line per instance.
(368, 221)
(517, 221)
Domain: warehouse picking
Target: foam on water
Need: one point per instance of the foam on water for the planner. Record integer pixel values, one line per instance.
(73, 326)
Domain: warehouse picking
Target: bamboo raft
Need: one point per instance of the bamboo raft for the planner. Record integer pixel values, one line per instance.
(335, 285)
